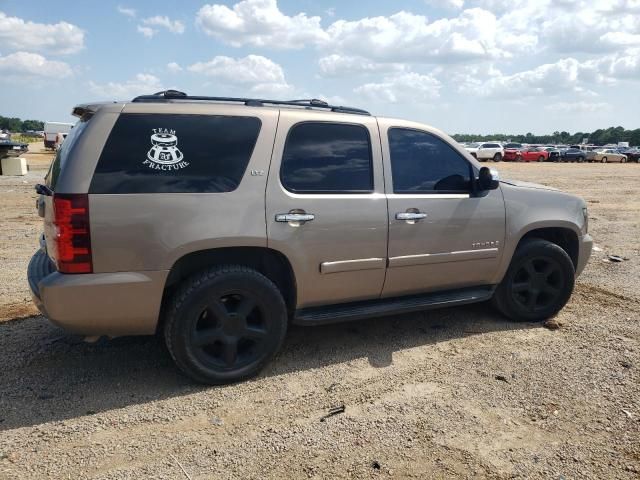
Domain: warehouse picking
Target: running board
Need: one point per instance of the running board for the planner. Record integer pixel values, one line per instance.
(387, 306)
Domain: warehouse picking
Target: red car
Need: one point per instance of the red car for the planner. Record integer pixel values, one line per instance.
(526, 154)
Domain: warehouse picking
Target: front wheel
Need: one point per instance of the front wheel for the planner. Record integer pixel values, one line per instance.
(604, 159)
(541, 158)
(497, 157)
(538, 283)
(225, 324)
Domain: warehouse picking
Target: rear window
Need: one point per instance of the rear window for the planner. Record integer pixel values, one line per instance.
(327, 158)
(164, 153)
(63, 152)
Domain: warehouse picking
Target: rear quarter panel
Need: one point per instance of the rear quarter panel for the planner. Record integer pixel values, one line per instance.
(151, 231)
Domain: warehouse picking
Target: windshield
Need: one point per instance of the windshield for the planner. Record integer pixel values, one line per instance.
(63, 152)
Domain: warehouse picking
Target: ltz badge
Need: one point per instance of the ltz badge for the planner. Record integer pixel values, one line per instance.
(164, 153)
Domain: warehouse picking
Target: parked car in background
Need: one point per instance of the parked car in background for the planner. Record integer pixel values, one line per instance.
(9, 148)
(472, 148)
(512, 151)
(532, 154)
(490, 151)
(633, 155)
(554, 153)
(573, 155)
(609, 155)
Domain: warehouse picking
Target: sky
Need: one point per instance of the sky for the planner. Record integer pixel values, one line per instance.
(464, 66)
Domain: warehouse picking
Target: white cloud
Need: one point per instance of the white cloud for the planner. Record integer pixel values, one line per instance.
(407, 37)
(146, 31)
(127, 12)
(59, 38)
(259, 23)
(174, 26)
(141, 84)
(174, 67)
(578, 107)
(548, 79)
(402, 88)
(259, 73)
(451, 4)
(23, 64)
(336, 65)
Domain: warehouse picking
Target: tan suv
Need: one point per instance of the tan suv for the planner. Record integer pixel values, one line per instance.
(219, 221)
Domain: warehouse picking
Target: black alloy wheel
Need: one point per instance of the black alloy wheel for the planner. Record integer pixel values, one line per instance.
(538, 282)
(225, 324)
(230, 331)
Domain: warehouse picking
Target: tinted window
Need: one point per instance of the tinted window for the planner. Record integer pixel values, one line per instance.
(175, 153)
(327, 158)
(421, 162)
(63, 152)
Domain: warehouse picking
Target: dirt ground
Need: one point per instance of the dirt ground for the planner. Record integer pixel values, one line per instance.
(457, 392)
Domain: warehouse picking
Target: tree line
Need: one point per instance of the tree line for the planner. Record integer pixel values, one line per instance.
(598, 137)
(14, 124)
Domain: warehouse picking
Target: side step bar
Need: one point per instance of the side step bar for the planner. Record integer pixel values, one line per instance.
(388, 306)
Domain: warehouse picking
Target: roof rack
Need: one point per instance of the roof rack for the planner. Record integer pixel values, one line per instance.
(175, 95)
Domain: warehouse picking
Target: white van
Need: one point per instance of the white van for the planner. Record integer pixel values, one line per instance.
(51, 130)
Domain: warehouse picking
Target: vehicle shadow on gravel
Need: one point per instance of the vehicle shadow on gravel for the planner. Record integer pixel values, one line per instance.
(48, 375)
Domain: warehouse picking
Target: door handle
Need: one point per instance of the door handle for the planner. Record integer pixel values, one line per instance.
(294, 219)
(410, 216)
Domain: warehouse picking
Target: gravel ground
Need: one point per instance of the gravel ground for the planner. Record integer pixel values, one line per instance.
(451, 393)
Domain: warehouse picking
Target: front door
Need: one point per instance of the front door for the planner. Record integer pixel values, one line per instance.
(442, 235)
(326, 209)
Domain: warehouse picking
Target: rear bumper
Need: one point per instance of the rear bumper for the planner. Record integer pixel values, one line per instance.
(586, 245)
(119, 303)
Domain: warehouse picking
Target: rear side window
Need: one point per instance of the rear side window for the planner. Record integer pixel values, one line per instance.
(63, 153)
(166, 153)
(423, 163)
(327, 158)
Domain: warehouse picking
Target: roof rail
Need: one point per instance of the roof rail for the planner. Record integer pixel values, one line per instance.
(175, 95)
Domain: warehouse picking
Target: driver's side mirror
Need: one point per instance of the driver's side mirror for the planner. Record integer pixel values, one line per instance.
(488, 179)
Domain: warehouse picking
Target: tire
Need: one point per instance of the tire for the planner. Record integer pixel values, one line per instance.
(604, 159)
(224, 324)
(518, 158)
(541, 158)
(497, 157)
(580, 159)
(623, 160)
(538, 282)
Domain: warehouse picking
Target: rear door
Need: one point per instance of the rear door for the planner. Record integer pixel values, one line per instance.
(441, 235)
(325, 208)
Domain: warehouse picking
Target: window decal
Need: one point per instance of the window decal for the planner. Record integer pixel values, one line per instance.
(164, 153)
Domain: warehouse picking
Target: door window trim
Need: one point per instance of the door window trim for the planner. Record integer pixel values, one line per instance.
(326, 193)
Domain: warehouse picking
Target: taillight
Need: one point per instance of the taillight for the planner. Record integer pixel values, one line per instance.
(73, 239)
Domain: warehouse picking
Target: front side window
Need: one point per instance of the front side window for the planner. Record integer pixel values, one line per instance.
(327, 157)
(423, 163)
(173, 153)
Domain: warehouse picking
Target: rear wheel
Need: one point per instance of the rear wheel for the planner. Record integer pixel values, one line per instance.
(497, 157)
(225, 324)
(604, 159)
(538, 283)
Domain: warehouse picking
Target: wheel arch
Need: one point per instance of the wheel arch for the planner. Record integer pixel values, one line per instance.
(565, 238)
(271, 263)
